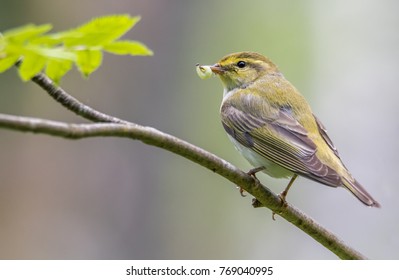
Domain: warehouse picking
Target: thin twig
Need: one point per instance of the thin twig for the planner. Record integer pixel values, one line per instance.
(71, 103)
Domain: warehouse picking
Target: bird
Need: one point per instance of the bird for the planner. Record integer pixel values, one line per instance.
(273, 126)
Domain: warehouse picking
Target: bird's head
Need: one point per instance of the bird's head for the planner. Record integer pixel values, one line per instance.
(238, 70)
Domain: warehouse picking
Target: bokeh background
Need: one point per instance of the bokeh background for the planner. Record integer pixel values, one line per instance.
(110, 198)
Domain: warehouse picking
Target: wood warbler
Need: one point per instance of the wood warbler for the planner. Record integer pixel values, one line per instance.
(273, 126)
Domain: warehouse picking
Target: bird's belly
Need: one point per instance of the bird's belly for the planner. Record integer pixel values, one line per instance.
(256, 160)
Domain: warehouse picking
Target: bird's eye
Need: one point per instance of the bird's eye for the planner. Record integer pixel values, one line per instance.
(241, 64)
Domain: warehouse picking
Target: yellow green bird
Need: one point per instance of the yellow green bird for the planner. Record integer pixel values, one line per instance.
(273, 126)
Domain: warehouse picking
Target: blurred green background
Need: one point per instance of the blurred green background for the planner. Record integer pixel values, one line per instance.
(119, 199)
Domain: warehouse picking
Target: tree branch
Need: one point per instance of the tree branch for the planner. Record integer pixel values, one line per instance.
(111, 126)
(71, 103)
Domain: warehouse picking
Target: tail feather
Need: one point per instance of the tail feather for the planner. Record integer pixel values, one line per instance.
(357, 189)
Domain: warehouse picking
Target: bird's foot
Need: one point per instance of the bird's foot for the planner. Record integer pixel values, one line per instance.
(252, 173)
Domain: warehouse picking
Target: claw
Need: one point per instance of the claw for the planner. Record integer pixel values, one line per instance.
(282, 196)
(252, 173)
(241, 190)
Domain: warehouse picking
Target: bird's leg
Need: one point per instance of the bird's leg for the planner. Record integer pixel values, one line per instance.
(252, 173)
(284, 193)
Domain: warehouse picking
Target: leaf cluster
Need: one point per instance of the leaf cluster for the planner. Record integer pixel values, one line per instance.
(56, 53)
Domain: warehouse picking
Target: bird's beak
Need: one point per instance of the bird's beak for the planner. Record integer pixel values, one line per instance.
(217, 69)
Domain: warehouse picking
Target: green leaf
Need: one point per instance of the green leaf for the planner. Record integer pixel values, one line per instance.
(69, 38)
(113, 25)
(47, 40)
(128, 47)
(99, 31)
(26, 32)
(8, 62)
(31, 65)
(57, 68)
(88, 61)
(55, 53)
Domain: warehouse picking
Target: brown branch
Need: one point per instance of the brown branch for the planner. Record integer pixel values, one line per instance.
(168, 142)
(71, 103)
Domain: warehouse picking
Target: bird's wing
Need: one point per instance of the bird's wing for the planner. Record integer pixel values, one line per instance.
(323, 133)
(278, 137)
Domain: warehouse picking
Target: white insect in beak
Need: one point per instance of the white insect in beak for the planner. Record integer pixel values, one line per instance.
(204, 71)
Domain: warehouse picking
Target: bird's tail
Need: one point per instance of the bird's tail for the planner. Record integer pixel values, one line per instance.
(357, 189)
